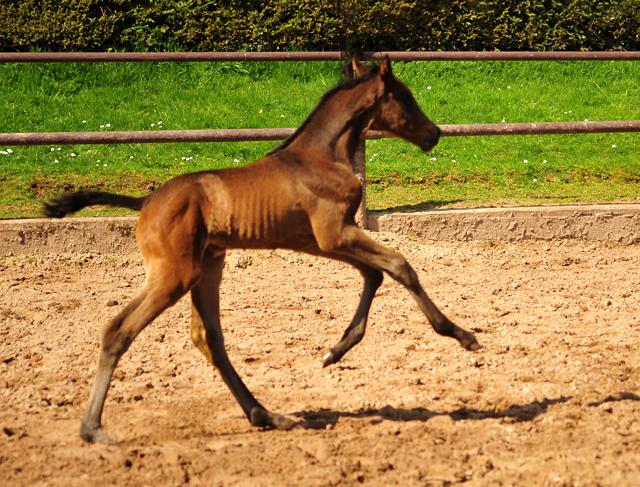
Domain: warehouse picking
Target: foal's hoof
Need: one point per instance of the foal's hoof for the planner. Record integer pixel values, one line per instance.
(262, 417)
(328, 359)
(96, 436)
(469, 342)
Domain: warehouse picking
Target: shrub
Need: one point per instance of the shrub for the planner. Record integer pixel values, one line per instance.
(255, 25)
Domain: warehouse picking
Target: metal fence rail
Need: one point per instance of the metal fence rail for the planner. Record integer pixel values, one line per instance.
(236, 135)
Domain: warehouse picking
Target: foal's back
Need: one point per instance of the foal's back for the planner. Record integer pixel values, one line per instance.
(266, 204)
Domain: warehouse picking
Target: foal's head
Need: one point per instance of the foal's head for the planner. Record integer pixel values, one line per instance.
(398, 113)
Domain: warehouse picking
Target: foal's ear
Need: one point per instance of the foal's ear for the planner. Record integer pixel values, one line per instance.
(385, 69)
(354, 68)
(359, 68)
(347, 71)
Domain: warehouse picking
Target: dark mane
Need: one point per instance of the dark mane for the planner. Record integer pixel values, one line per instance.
(345, 84)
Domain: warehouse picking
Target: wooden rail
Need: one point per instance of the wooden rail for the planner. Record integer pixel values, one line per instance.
(237, 135)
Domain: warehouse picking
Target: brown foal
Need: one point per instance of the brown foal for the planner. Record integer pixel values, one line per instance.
(303, 196)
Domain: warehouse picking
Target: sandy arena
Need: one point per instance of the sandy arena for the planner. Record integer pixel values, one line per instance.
(551, 400)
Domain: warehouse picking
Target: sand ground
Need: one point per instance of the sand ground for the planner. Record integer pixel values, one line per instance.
(551, 399)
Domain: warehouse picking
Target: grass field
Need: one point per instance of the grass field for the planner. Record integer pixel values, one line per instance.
(462, 171)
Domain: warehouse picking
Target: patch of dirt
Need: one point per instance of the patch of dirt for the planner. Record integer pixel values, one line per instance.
(44, 186)
(551, 400)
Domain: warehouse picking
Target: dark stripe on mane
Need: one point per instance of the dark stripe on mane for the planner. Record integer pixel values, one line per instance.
(343, 85)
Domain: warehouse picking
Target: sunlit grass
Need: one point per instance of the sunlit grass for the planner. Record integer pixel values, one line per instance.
(461, 171)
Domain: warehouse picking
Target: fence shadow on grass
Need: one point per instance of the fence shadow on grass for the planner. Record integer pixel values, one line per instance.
(422, 206)
(517, 413)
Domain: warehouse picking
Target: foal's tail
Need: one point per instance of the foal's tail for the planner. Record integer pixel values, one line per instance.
(63, 204)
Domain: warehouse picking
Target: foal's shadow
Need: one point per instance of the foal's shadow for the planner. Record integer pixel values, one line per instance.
(517, 414)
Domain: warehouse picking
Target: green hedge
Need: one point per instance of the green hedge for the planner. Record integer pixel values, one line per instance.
(313, 25)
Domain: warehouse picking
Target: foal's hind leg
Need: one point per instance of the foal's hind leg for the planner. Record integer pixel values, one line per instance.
(354, 243)
(207, 336)
(117, 335)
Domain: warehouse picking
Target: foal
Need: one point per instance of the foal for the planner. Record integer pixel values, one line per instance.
(302, 196)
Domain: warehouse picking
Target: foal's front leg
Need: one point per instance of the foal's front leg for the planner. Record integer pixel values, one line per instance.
(355, 332)
(353, 242)
(206, 334)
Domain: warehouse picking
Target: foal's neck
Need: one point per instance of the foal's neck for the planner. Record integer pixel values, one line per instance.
(335, 128)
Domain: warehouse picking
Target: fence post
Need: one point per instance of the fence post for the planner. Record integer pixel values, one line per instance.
(359, 167)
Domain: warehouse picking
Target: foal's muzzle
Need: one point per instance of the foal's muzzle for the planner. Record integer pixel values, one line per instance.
(431, 139)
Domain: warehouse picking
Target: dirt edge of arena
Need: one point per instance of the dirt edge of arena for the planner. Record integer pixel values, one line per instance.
(587, 223)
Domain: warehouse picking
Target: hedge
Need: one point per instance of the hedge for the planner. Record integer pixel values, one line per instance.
(316, 25)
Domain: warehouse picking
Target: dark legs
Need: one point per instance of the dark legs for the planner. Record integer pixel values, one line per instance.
(170, 279)
(207, 336)
(159, 293)
(163, 289)
(355, 332)
(353, 245)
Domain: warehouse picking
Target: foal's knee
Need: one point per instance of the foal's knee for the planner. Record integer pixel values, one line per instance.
(209, 341)
(399, 269)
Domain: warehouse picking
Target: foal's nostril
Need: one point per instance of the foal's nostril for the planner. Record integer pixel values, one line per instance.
(431, 139)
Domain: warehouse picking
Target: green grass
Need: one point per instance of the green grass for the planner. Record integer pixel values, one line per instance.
(488, 171)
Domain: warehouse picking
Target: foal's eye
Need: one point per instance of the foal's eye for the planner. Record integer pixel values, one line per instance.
(404, 97)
